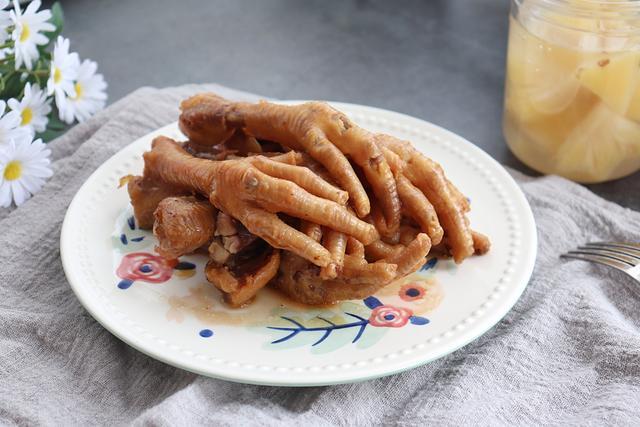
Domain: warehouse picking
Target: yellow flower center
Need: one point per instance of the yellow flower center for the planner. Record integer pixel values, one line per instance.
(13, 170)
(57, 75)
(24, 35)
(27, 116)
(79, 91)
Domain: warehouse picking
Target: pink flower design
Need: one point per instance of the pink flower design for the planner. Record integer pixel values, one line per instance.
(388, 316)
(145, 267)
(412, 291)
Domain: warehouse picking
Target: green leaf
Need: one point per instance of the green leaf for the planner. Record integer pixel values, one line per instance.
(54, 120)
(45, 57)
(55, 127)
(56, 124)
(12, 86)
(57, 19)
(50, 134)
(57, 16)
(7, 68)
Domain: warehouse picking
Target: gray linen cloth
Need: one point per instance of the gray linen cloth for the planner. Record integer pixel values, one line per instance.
(567, 354)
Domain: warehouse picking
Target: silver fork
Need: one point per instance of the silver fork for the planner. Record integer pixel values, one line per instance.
(620, 255)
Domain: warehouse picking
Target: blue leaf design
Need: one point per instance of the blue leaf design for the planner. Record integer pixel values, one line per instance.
(324, 337)
(327, 333)
(183, 265)
(131, 221)
(125, 284)
(429, 264)
(362, 328)
(356, 316)
(298, 324)
(360, 323)
(372, 302)
(123, 239)
(137, 239)
(288, 337)
(417, 320)
(326, 320)
(206, 333)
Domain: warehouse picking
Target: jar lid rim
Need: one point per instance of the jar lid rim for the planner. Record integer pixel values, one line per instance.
(612, 6)
(627, 11)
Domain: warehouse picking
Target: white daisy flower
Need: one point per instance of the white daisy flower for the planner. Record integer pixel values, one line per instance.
(63, 73)
(27, 33)
(33, 108)
(24, 168)
(90, 94)
(5, 21)
(10, 127)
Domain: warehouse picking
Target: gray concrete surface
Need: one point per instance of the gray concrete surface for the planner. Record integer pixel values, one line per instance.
(439, 60)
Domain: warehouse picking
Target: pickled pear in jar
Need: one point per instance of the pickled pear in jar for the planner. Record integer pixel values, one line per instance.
(572, 93)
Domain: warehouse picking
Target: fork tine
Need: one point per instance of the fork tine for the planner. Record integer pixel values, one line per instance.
(619, 258)
(628, 249)
(623, 245)
(595, 258)
(625, 254)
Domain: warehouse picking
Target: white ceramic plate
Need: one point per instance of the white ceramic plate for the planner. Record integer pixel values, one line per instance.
(170, 313)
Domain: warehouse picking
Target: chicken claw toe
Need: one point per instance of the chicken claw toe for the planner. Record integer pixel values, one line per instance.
(324, 133)
(244, 192)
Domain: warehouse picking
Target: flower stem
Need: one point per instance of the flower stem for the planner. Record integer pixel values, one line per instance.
(35, 73)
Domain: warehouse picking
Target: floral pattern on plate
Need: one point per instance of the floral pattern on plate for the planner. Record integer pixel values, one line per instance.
(357, 323)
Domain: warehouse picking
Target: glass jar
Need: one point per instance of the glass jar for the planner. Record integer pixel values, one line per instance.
(572, 91)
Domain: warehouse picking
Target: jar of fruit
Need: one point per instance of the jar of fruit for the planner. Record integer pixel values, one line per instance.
(572, 92)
